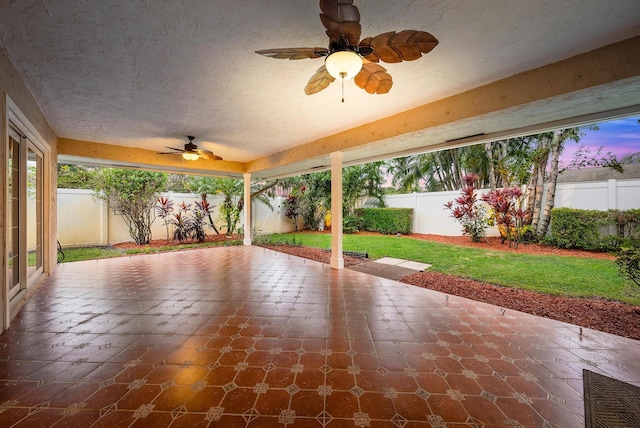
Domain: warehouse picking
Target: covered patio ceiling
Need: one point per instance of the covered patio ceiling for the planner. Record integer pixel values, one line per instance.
(120, 82)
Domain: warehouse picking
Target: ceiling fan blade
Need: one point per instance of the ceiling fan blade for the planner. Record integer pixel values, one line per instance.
(319, 81)
(341, 17)
(373, 78)
(206, 154)
(173, 148)
(294, 53)
(407, 45)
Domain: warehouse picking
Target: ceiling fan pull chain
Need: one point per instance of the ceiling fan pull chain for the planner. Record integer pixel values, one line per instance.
(342, 77)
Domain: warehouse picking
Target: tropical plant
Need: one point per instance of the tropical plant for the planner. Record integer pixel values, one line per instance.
(359, 181)
(131, 194)
(468, 211)
(182, 223)
(233, 192)
(164, 208)
(508, 213)
(316, 200)
(292, 205)
(199, 220)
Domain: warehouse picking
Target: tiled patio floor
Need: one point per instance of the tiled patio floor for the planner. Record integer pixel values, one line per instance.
(244, 336)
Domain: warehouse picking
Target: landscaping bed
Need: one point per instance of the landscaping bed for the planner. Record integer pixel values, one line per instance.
(160, 243)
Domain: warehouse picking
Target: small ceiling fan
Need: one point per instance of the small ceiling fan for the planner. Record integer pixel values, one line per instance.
(349, 57)
(192, 152)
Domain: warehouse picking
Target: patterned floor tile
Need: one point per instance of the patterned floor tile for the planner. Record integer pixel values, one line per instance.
(260, 338)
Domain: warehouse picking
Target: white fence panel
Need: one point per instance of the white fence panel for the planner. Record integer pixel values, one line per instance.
(82, 221)
(118, 231)
(85, 221)
(583, 196)
(429, 214)
(266, 220)
(628, 194)
(430, 217)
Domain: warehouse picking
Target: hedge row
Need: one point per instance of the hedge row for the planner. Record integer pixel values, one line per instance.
(387, 220)
(593, 230)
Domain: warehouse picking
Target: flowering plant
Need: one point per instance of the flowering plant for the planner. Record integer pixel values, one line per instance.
(468, 211)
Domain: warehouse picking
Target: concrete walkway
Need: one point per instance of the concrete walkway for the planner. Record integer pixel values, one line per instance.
(391, 268)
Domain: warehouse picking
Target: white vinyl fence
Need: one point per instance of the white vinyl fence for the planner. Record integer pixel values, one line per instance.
(430, 217)
(83, 221)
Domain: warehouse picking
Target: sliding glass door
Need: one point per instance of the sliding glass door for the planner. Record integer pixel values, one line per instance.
(35, 236)
(13, 214)
(25, 213)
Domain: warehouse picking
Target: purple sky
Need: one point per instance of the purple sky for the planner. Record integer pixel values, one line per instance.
(621, 137)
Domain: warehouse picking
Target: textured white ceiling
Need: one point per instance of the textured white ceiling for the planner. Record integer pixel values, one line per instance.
(146, 73)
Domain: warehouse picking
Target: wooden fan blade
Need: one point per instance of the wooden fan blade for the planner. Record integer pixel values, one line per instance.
(294, 53)
(173, 148)
(373, 78)
(319, 81)
(407, 45)
(206, 154)
(341, 17)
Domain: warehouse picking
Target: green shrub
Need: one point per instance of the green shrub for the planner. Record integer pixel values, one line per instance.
(352, 224)
(387, 220)
(590, 229)
(628, 260)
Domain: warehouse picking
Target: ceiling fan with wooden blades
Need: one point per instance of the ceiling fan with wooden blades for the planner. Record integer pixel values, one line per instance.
(192, 152)
(349, 57)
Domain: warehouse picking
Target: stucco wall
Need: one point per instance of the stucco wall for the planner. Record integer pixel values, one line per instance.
(13, 87)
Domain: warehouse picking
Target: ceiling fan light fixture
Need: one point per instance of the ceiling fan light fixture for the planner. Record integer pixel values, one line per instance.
(188, 155)
(343, 64)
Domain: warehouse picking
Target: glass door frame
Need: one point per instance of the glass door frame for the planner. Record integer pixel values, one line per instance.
(17, 125)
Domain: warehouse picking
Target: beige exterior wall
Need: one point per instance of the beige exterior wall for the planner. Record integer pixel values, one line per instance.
(14, 89)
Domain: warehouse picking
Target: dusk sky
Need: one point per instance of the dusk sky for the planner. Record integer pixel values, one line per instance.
(621, 137)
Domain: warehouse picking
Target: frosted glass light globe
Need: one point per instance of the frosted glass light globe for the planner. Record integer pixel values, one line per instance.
(344, 64)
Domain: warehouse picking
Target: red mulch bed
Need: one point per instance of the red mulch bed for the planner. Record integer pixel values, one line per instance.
(157, 243)
(612, 317)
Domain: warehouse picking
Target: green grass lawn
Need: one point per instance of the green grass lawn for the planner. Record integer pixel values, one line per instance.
(570, 276)
(91, 253)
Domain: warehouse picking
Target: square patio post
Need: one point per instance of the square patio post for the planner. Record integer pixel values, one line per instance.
(337, 259)
(247, 209)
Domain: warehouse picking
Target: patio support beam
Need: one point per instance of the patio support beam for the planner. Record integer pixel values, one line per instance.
(337, 259)
(595, 71)
(247, 209)
(90, 153)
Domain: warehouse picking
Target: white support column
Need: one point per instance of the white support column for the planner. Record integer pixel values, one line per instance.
(337, 259)
(247, 209)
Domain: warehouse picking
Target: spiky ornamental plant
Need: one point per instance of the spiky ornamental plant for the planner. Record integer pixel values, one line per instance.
(507, 209)
(164, 208)
(200, 215)
(183, 225)
(468, 211)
